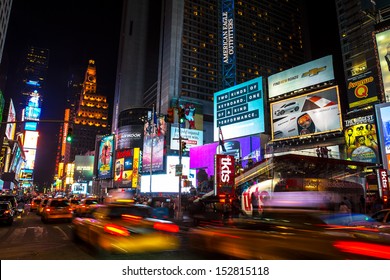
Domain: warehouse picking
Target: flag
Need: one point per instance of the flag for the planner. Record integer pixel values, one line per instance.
(156, 123)
(221, 141)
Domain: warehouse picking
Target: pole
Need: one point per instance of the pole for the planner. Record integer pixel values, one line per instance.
(151, 129)
(179, 213)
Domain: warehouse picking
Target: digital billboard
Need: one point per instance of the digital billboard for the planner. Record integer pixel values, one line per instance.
(11, 118)
(126, 168)
(105, 150)
(192, 137)
(361, 139)
(84, 167)
(31, 139)
(239, 110)
(202, 157)
(382, 40)
(383, 120)
(32, 113)
(306, 115)
(153, 146)
(302, 76)
(362, 90)
(129, 136)
(168, 182)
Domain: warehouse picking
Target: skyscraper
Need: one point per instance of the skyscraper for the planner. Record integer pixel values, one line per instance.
(5, 11)
(266, 38)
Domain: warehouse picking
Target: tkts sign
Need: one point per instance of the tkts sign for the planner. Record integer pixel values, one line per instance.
(224, 174)
(383, 182)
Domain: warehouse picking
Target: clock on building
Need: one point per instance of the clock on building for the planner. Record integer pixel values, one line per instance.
(91, 79)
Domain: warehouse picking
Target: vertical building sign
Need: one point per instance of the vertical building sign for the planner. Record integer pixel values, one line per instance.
(228, 44)
(224, 174)
(383, 183)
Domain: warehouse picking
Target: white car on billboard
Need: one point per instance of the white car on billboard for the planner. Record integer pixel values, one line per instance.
(289, 107)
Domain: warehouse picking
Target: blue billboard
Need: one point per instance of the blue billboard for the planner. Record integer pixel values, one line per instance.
(239, 110)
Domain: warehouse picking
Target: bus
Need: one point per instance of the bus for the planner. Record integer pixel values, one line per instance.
(298, 192)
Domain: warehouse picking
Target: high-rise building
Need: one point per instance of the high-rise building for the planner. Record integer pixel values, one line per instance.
(357, 21)
(5, 11)
(91, 115)
(266, 38)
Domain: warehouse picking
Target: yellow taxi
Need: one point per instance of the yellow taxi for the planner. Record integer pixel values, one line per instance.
(85, 206)
(126, 228)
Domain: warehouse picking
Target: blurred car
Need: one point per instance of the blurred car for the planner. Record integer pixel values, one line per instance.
(126, 228)
(42, 205)
(85, 206)
(292, 235)
(11, 198)
(74, 202)
(57, 209)
(382, 216)
(6, 212)
(35, 204)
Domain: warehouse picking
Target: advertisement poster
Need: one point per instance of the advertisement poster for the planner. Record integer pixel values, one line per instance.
(361, 139)
(315, 113)
(153, 147)
(105, 157)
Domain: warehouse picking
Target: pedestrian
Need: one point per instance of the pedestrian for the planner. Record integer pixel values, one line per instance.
(255, 204)
(318, 151)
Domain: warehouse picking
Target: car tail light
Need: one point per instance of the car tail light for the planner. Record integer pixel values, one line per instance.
(364, 248)
(166, 227)
(7, 212)
(47, 210)
(116, 230)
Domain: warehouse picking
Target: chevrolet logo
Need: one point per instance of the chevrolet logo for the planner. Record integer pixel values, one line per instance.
(313, 72)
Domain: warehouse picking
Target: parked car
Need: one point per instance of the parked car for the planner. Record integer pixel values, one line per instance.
(126, 228)
(6, 212)
(57, 209)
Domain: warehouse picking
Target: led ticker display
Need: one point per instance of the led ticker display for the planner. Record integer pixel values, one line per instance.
(239, 110)
(315, 113)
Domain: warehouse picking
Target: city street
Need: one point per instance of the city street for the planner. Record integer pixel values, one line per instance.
(30, 239)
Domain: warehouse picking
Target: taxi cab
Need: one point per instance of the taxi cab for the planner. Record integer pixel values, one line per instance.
(85, 206)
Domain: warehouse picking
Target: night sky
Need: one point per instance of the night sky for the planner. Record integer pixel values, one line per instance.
(76, 31)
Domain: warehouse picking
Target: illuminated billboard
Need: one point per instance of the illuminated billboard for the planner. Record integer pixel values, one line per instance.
(383, 52)
(31, 139)
(361, 140)
(30, 155)
(126, 168)
(362, 90)
(83, 168)
(383, 121)
(192, 137)
(306, 115)
(239, 110)
(104, 159)
(302, 76)
(11, 118)
(129, 136)
(32, 113)
(202, 157)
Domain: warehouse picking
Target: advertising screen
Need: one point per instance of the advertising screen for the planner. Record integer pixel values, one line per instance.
(126, 168)
(239, 110)
(30, 155)
(202, 157)
(168, 182)
(383, 120)
(129, 136)
(306, 115)
(84, 167)
(10, 126)
(192, 137)
(32, 113)
(302, 76)
(362, 90)
(153, 146)
(105, 146)
(383, 52)
(31, 139)
(361, 139)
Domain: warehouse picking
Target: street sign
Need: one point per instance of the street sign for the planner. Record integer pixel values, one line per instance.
(178, 169)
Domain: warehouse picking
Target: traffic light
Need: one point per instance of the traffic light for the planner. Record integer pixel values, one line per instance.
(170, 115)
(69, 136)
(182, 116)
(183, 146)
